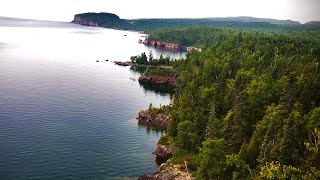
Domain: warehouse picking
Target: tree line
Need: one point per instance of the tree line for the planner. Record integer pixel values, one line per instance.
(248, 106)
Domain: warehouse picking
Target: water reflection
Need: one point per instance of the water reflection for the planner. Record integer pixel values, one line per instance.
(160, 89)
(139, 70)
(157, 131)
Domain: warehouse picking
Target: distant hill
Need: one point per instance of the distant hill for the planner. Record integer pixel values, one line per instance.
(110, 20)
(313, 23)
(107, 20)
(254, 19)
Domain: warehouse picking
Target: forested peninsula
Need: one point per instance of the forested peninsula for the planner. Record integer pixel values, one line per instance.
(248, 105)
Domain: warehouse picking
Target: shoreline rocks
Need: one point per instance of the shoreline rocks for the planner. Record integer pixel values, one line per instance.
(128, 63)
(168, 171)
(156, 79)
(159, 120)
(168, 46)
(163, 153)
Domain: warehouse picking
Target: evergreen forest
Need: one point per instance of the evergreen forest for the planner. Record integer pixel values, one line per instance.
(248, 105)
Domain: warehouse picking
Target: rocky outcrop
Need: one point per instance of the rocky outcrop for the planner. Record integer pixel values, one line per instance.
(155, 79)
(128, 63)
(121, 63)
(163, 153)
(168, 46)
(168, 171)
(148, 118)
(159, 44)
(78, 20)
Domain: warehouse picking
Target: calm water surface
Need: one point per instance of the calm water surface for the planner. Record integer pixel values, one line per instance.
(65, 116)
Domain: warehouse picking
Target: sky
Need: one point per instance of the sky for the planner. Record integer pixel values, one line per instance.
(64, 10)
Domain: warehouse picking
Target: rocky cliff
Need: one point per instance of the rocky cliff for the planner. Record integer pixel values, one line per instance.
(107, 20)
(78, 20)
(155, 79)
(168, 46)
(163, 153)
(159, 44)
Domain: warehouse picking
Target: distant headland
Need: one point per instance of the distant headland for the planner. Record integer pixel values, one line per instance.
(149, 26)
(110, 20)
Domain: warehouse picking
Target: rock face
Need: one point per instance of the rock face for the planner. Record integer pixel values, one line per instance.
(155, 79)
(163, 153)
(151, 119)
(77, 20)
(168, 46)
(159, 44)
(169, 171)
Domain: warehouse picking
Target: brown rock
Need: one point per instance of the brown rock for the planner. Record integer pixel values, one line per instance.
(78, 20)
(163, 153)
(169, 171)
(155, 79)
(159, 120)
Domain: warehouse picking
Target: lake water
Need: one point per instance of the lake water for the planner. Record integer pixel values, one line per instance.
(65, 116)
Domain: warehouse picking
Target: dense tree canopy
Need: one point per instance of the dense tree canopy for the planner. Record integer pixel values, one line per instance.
(248, 103)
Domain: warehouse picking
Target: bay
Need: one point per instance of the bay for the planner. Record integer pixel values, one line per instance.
(65, 116)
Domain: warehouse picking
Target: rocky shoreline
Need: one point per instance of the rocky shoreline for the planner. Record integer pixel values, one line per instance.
(151, 79)
(163, 153)
(128, 63)
(169, 171)
(168, 46)
(159, 120)
(156, 79)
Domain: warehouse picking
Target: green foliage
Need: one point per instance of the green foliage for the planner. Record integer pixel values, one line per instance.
(162, 109)
(166, 140)
(151, 26)
(161, 72)
(259, 92)
(107, 20)
(237, 167)
(212, 158)
(183, 155)
(150, 60)
(277, 171)
(187, 138)
(142, 59)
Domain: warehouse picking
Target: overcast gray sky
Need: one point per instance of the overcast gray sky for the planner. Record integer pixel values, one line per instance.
(63, 10)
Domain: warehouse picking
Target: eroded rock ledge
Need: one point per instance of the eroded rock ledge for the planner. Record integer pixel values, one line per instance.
(168, 46)
(159, 120)
(155, 79)
(163, 153)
